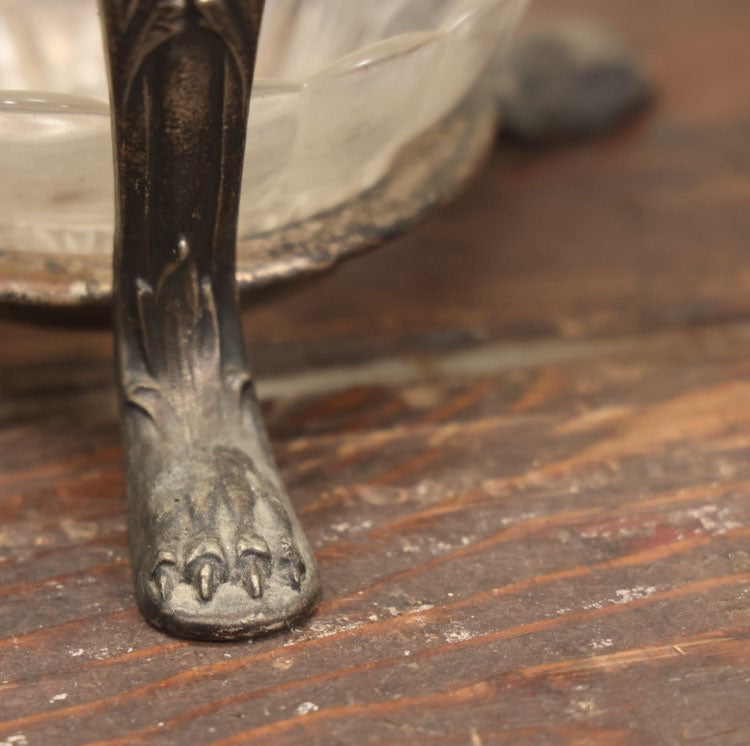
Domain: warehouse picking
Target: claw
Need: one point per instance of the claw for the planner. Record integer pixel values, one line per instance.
(206, 569)
(205, 581)
(297, 571)
(161, 574)
(163, 581)
(295, 577)
(253, 581)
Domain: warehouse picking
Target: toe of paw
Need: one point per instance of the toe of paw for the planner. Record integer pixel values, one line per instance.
(164, 576)
(293, 570)
(252, 576)
(206, 574)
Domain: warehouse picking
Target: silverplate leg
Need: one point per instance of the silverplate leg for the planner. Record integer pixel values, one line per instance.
(217, 550)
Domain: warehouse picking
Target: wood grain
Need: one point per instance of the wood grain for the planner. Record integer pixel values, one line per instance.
(646, 228)
(532, 513)
(567, 573)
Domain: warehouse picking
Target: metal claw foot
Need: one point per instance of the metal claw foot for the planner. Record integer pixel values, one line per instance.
(217, 550)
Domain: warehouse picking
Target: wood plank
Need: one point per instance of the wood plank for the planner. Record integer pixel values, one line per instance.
(546, 554)
(532, 528)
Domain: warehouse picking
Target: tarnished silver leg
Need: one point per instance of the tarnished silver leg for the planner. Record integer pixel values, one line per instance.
(217, 550)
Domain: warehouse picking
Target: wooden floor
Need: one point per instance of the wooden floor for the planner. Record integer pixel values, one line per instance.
(518, 438)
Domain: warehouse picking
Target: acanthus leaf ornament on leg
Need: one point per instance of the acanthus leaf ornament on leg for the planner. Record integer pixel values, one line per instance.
(217, 550)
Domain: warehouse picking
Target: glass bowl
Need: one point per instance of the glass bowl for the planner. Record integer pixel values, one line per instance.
(342, 86)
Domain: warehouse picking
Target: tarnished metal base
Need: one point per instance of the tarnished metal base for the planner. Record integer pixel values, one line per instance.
(217, 550)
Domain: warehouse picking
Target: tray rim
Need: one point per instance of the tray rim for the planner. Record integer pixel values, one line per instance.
(425, 173)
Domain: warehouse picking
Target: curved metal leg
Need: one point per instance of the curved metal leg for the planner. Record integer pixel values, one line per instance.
(217, 550)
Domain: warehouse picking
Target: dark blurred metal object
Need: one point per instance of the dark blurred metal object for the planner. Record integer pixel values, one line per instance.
(568, 79)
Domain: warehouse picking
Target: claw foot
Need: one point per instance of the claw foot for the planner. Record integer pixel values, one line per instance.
(217, 550)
